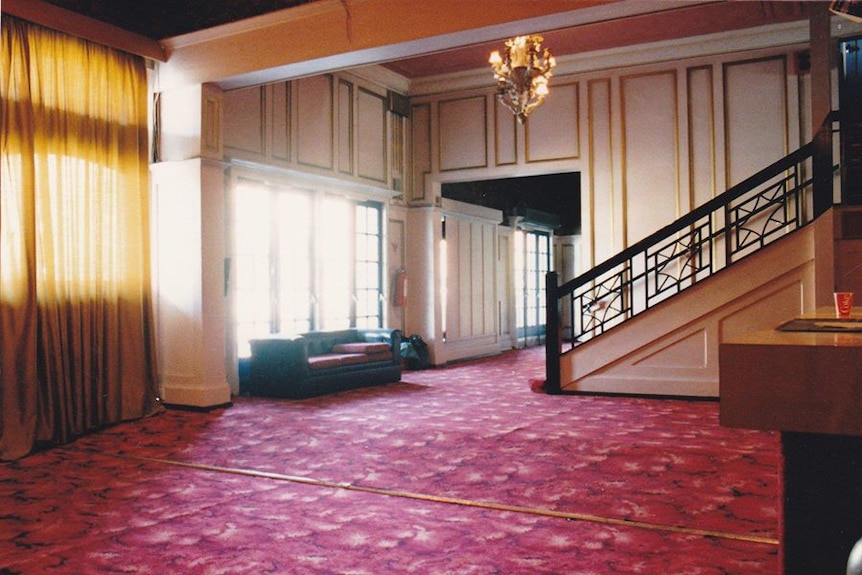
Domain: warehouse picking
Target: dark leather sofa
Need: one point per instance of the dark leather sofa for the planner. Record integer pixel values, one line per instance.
(323, 362)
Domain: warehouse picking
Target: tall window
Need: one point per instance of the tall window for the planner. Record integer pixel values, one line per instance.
(273, 256)
(369, 265)
(304, 261)
(352, 264)
(532, 261)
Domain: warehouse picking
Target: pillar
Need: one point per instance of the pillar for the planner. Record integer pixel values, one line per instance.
(423, 312)
(189, 231)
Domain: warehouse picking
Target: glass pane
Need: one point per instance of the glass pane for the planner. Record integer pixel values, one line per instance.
(337, 266)
(252, 289)
(367, 265)
(273, 251)
(293, 273)
(532, 262)
(281, 284)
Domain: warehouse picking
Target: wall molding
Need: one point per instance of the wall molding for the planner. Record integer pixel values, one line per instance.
(759, 38)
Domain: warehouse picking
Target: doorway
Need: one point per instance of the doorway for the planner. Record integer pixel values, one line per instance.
(539, 208)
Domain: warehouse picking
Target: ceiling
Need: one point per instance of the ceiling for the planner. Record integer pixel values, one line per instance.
(161, 19)
(678, 21)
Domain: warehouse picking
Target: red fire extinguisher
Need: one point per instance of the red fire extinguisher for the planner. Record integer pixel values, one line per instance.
(401, 288)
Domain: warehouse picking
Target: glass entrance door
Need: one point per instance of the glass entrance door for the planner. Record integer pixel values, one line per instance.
(532, 263)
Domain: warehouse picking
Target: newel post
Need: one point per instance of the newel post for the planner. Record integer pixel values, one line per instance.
(821, 105)
(552, 335)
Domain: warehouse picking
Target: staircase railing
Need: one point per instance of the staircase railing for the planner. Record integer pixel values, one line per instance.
(719, 233)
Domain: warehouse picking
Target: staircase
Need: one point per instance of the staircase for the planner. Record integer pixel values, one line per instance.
(744, 241)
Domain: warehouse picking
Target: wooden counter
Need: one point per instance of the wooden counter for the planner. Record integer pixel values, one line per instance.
(793, 381)
(808, 386)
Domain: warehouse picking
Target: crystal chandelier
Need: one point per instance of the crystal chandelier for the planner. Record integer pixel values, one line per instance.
(522, 74)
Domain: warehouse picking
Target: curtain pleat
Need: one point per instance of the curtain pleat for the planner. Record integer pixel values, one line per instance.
(76, 302)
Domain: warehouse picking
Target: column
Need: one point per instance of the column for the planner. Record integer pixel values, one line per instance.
(423, 309)
(189, 250)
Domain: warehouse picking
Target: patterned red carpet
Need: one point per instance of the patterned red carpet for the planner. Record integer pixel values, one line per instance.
(459, 470)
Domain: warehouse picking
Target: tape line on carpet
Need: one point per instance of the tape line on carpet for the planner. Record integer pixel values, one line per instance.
(586, 517)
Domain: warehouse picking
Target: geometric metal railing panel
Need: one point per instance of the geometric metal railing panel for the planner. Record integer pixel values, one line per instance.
(728, 228)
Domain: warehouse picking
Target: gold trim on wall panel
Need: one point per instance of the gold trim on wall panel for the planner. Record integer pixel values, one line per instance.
(421, 165)
(649, 160)
(397, 128)
(212, 123)
(454, 278)
(366, 150)
(701, 128)
(475, 306)
(752, 147)
(346, 118)
(453, 152)
(547, 123)
(280, 144)
(489, 278)
(396, 258)
(594, 180)
(505, 124)
(320, 141)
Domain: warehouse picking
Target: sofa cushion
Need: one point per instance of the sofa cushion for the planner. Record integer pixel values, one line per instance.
(354, 358)
(328, 360)
(362, 347)
(379, 356)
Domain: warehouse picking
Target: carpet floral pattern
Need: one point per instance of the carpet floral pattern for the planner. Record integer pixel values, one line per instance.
(456, 470)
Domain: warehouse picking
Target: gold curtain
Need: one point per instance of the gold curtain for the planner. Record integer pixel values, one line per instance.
(75, 294)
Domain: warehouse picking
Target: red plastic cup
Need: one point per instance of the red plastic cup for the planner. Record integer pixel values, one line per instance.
(843, 303)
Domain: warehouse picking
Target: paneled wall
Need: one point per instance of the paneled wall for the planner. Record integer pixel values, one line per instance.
(755, 102)
(336, 125)
(650, 152)
(471, 322)
(333, 131)
(651, 141)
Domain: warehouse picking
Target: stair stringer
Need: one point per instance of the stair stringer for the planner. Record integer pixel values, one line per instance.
(672, 349)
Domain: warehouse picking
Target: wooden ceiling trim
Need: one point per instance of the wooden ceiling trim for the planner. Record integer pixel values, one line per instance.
(50, 16)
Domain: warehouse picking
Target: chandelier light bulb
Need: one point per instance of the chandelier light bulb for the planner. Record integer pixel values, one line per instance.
(541, 88)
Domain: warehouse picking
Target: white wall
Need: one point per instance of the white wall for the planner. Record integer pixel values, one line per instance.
(654, 131)
(651, 141)
(188, 238)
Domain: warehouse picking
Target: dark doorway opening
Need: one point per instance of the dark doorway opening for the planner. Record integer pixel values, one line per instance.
(557, 195)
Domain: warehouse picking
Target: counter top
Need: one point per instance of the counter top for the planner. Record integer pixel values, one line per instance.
(805, 338)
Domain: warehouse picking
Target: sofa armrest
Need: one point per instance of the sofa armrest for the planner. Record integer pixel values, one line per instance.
(389, 336)
(277, 359)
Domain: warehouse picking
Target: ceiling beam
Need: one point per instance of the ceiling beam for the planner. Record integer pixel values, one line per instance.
(329, 35)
